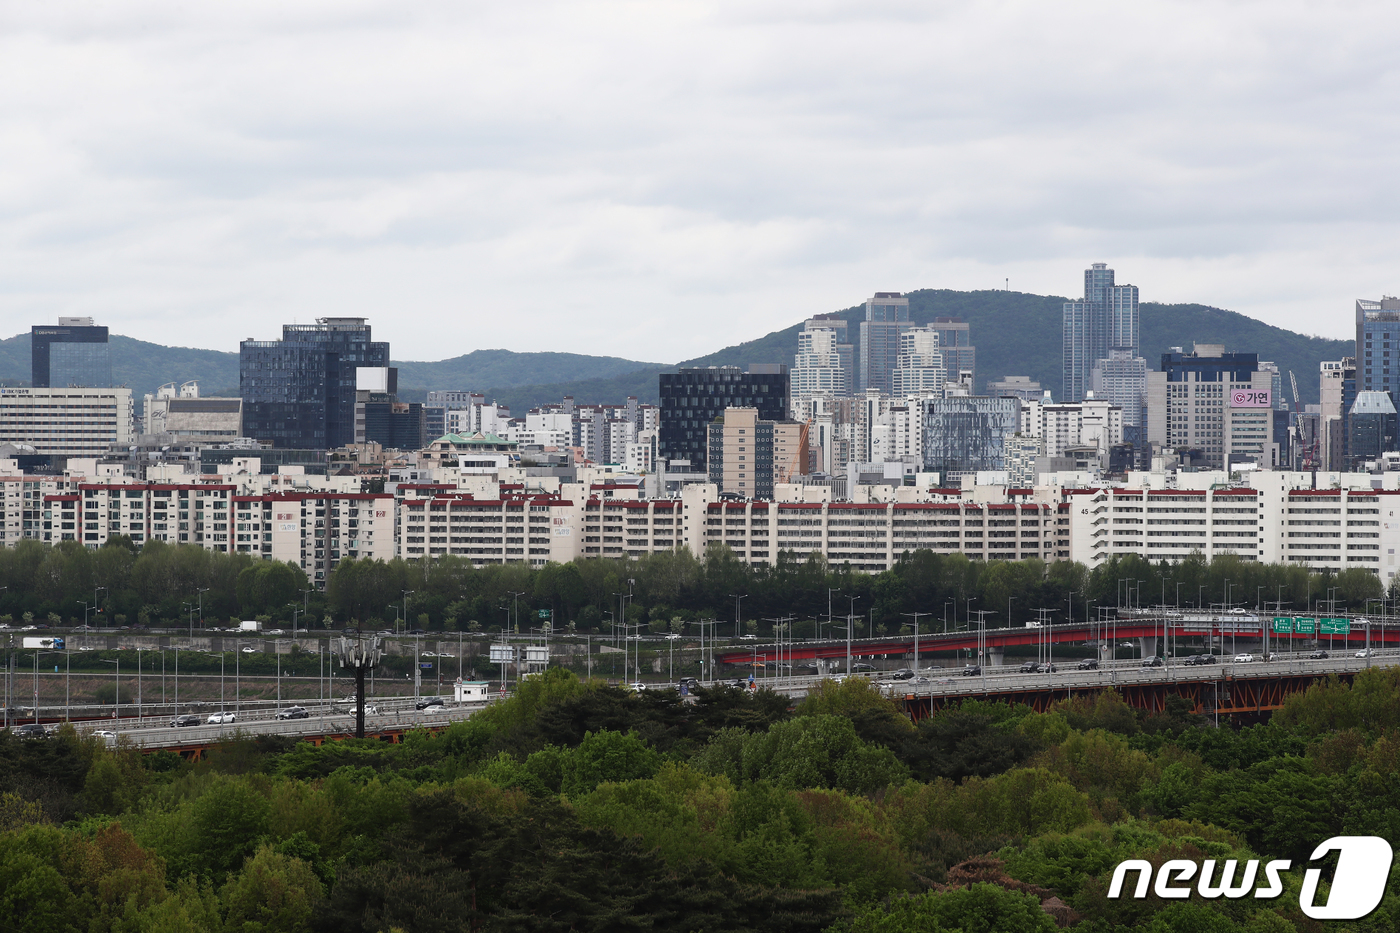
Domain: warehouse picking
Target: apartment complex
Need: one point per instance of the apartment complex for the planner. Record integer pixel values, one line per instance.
(1333, 528)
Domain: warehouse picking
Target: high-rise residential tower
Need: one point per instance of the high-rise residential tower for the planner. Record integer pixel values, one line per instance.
(299, 392)
(886, 317)
(919, 369)
(1104, 320)
(75, 354)
(819, 370)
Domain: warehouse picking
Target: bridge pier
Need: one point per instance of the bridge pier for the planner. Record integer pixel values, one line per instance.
(1148, 644)
(995, 656)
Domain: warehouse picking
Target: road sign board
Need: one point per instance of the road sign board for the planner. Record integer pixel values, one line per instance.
(544, 613)
(1283, 626)
(502, 654)
(1304, 626)
(1336, 627)
(425, 665)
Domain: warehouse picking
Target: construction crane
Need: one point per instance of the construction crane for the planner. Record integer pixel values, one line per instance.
(800, 456)
(1309, 450)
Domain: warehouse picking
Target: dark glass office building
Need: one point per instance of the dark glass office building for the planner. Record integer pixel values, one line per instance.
(299, 392)
(72, 354)
(693, 397)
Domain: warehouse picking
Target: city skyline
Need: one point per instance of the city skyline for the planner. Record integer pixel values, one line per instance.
(215, 174)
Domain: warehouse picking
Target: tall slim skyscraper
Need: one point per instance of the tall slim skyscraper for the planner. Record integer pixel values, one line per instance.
(886, 317)
(299, 392)
(1105, 319)
(75, 354)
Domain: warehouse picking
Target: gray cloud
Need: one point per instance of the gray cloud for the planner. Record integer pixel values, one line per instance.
(655, 180)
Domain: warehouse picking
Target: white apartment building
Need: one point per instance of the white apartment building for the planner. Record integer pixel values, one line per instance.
(1279, 518)
(67, 422)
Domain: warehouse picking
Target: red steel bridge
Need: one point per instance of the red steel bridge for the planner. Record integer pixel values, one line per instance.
(1226, 632)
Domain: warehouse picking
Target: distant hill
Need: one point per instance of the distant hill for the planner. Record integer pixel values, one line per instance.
(145, 366)
(506, 368)
(1015, 334)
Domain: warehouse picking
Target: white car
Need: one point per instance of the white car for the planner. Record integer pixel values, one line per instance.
(222, 717)
(107, 736)
(1366, 653)
(638, 685)
(250, 651)
(1243, 658)
(673, 637)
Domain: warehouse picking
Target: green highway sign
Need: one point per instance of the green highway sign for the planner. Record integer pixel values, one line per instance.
(1304, 626)
(1283, 626)
(544, 613)
(1336, 627)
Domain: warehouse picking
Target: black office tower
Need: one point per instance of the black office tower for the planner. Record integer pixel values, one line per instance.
(73, 354)
(693, 397)
(299, 392)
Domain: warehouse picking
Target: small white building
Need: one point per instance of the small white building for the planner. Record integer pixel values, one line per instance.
(471, 691)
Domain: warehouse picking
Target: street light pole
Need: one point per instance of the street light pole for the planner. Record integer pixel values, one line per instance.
(916, 639)
(850, 627)
(738, 607)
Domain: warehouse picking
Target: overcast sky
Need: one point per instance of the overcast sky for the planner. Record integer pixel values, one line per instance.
(656, 180)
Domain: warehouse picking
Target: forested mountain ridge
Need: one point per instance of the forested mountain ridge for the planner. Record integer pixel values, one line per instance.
(1015, 334)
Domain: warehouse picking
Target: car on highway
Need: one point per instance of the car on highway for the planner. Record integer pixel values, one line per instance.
(293, 712)
(673, 637)
(425, 702)
(1046, 668)
(1153, 661)
(971, 670)
(748, 637)
(902, 674)
(417, 631)
(1191, 660)
(222, 717)
(1366, 653)
(248, 649)
(106, 736)
(32, 730)
(1244, 658)
(184, 719)
(1319, 656)
(1087, 664)
(1029, 667)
